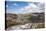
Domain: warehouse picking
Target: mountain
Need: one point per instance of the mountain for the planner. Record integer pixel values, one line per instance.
(19, 19)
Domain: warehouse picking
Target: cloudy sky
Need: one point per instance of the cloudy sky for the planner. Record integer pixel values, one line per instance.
(21, 7)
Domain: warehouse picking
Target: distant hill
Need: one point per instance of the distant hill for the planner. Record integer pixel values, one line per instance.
(17, 19)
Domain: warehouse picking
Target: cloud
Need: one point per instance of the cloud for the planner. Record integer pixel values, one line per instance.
(32, 8)
(29, 7)
(15, 4)
(38, 1)
(7, 6)
(40, 5)
(10, 11)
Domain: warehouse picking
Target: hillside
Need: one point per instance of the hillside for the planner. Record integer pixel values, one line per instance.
(19, 19)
